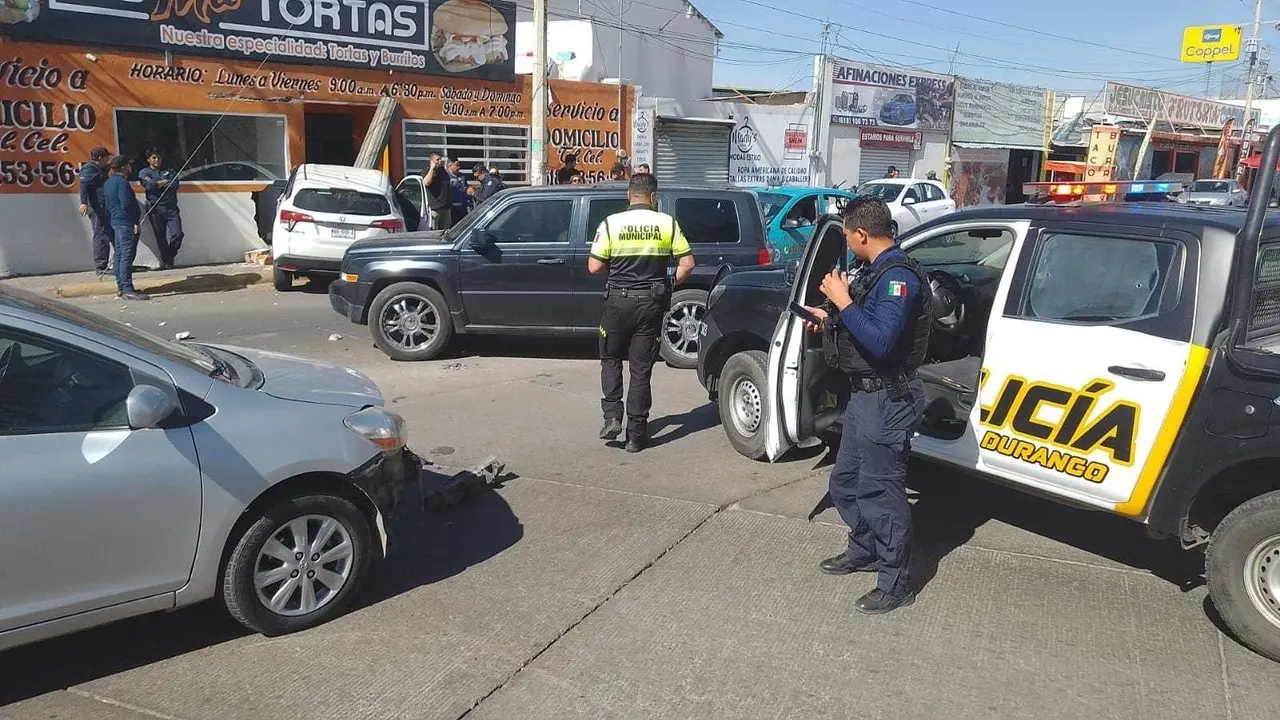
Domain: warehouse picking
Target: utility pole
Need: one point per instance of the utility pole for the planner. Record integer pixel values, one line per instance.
(821, 72)
(1252, 47)
(538, 134)
(951, 68)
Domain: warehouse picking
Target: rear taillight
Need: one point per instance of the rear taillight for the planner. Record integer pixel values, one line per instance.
(391, 225)
(291, 218)
(764, 257)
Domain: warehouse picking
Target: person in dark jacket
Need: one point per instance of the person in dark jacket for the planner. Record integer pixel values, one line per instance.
(125, 214)
(564, 175)
(458, 187)
(92, 177)
(161, 187)
(490, 184)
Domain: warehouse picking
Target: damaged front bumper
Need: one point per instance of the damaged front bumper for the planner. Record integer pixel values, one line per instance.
(385, 480)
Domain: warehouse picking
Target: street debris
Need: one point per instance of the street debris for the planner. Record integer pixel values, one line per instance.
(484, 475)
(162, 323)
(184, 335)
(335, 337)
(453, 366)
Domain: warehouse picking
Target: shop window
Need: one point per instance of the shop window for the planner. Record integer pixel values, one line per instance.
(504, 147)
(207, 146)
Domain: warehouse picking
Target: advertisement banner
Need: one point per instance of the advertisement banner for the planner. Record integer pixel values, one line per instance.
(768, 149)
(995, 113)
(1145, 104)
(1220, 169)
(642, 122)
(1211, 43)
(875, 137)
(58, 104)
(979, 176)
(871, 95)
(462, 38)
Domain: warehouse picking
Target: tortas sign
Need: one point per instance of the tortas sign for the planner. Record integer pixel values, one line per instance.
(468, 38)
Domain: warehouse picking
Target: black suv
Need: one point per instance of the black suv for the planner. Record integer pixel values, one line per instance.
(517, 265)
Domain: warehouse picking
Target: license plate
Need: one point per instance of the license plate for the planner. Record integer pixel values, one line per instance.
(343, 233)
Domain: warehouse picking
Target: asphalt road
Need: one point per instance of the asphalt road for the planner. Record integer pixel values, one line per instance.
(679, 583)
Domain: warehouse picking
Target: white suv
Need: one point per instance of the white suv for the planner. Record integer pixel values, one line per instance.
(323, 210)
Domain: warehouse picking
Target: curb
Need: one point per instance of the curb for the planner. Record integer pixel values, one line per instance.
(171, 285)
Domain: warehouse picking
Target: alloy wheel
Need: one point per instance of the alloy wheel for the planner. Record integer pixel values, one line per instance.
(683, 328)
(303, 565)
(410, 322)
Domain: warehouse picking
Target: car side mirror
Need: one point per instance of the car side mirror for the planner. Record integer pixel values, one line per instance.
(908, 201)
(790, 224)
(147, 406)
(480, 239)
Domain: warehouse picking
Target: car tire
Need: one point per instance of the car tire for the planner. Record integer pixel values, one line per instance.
(281, 279)
(682, 328)
(1245, 549)
(252, 560)
(741, 400)
(396, 335)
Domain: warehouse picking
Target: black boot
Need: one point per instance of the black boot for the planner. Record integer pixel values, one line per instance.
(611, 430)
(637, 443)
(878, 602)
(842, 564)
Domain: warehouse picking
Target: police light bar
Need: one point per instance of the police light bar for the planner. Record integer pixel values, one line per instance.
(1079, 190)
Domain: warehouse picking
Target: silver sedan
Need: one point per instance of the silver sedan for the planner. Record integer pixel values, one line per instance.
(1222, 193)
(141, 474)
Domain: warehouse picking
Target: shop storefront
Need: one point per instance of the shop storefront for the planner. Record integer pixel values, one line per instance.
(998, 140)
(237, 110)
(882, 117)
(1187, 135)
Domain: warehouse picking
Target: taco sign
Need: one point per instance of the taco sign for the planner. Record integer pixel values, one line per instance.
(468, 38)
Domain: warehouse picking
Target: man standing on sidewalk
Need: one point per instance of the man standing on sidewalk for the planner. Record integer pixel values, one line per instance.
(125, 214)
(439, 194)
(161, 187)
(458, 187)
(92, 177)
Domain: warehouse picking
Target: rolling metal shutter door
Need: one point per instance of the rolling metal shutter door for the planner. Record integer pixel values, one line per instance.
(688, 153)
(876, 160)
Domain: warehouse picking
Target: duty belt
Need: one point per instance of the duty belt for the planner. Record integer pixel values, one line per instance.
(656, 289)
(896, 385)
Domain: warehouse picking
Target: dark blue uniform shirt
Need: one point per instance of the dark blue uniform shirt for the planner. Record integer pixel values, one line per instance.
(166, 196)
(879, 321)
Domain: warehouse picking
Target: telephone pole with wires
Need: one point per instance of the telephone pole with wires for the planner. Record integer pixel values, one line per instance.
(821, 75)
(538, 131)
(1252, 46)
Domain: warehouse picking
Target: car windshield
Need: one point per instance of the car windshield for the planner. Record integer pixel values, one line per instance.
(771, 204)
(885, 191)
(341, 200)
(189, 356)
(1211, 186)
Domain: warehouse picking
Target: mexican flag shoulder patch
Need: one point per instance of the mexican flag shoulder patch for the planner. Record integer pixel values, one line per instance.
(897, 288)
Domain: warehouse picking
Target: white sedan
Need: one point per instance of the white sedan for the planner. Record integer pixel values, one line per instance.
(911, 201)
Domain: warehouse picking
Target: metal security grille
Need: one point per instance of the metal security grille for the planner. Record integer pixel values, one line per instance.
(1264, 320)
(505, 147)
(691, 153)
(876, 160)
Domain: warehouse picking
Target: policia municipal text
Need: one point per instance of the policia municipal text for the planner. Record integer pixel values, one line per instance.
(877, 333)
(634, 247)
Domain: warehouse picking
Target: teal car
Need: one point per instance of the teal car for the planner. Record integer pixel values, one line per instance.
(791, 211)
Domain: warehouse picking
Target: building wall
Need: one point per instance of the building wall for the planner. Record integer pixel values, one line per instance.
(665, 49)
(218, 217)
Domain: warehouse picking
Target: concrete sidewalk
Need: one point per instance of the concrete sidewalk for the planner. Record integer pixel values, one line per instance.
(182, 280)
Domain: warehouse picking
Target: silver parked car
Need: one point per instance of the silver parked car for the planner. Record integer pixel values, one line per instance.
(140, 474)
(1215, 192)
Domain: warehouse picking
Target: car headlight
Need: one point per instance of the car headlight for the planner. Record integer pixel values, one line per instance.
(383, 428)
(716, 292)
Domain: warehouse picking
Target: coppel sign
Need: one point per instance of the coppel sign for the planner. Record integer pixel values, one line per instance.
(1211, 43)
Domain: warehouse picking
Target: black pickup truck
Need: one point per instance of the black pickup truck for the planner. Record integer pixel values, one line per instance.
(517, 265)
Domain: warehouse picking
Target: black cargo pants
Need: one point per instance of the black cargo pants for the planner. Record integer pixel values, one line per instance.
(629, 330)
(868, 482)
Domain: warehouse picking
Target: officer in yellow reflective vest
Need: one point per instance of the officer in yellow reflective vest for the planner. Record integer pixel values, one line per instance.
(635, 248)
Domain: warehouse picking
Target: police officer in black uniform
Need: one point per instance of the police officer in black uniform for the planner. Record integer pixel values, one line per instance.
(635, 248)
(876, 331)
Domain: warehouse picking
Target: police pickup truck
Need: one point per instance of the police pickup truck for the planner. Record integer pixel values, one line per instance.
(1119, 356)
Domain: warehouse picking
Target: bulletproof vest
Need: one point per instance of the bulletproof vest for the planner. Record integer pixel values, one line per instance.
(842, 352)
